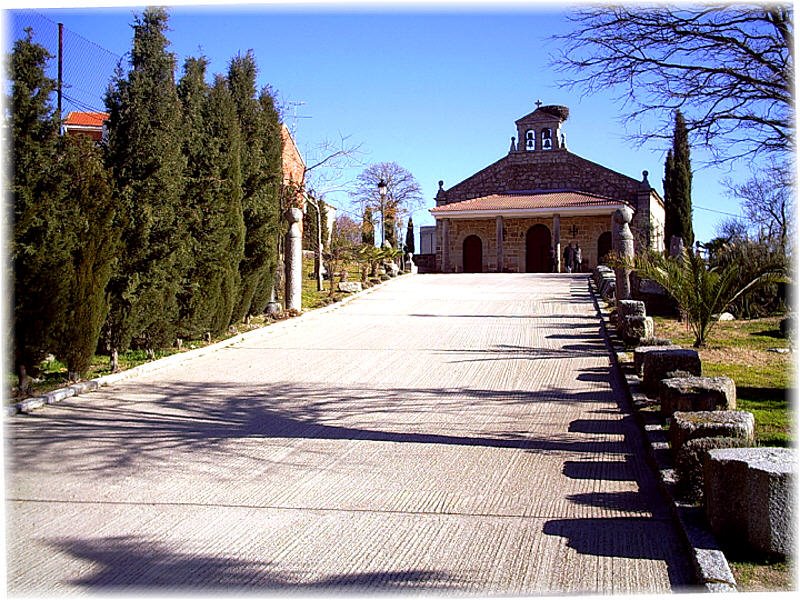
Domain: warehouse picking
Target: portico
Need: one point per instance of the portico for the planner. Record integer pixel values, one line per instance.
(519, 213)
(522, 232)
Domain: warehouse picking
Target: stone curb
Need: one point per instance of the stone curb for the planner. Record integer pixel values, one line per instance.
(53, 397)
(711, 567)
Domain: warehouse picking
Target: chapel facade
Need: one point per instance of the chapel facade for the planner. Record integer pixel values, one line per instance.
(519, 213)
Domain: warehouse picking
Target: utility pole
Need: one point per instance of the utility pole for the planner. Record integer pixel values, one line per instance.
(60, 67)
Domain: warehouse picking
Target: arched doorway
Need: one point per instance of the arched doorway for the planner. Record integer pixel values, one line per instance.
(603, 247)
(473, 254)
(537, 250)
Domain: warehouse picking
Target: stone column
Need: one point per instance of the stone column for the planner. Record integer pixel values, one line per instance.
(445, 245)
(294, 260)
(499, 237)
(624, 249)
(557, 241)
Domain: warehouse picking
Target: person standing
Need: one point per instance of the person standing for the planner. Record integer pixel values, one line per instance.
(578, 259)
(568, 258)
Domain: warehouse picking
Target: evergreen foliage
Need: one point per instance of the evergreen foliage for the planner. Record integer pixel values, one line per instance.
(261, 178)
(410, 236)
(212, 203)
(678, 186)
(39, 248)
(146, 159)
(368, 227)
(87, 200)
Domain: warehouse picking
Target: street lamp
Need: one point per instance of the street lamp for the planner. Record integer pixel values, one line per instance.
(382, 191)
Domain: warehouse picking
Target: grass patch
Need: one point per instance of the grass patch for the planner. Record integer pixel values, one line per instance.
(740, 350)
(760, 574)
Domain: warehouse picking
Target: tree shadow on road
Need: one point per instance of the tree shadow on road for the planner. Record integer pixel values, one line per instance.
(129, 563)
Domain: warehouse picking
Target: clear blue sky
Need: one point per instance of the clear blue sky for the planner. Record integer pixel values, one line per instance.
(434, 90)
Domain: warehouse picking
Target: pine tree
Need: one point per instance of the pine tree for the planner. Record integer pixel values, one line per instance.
(39, 248)
(261, 186)
(212, 201)
(145, 155)
(368, 227)
(678, 186)
(88, 203)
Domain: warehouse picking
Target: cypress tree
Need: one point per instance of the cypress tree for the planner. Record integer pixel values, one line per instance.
(212, 203)
(310, 227)
(678, 186)
(368, 228)
(272, 165)
(145, 155)
(87, 200)
(260, 187)
(39, 248)
(410, 236)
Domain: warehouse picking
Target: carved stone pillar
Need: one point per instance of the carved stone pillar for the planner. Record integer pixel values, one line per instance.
(557, 242)
(499, 237)
(294, 260)
(624, 249)
(445, 245)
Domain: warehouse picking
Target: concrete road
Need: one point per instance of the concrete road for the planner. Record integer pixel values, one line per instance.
(443, 432)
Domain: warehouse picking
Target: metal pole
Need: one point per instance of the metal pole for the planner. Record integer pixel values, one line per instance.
(60, 66)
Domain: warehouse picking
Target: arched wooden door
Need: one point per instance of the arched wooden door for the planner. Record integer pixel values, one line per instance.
(537, 250)
(473, 254)
(603, 247)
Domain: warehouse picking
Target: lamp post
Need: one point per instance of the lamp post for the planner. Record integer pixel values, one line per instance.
(382, 192)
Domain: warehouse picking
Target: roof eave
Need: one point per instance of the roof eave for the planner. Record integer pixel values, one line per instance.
(572, 211)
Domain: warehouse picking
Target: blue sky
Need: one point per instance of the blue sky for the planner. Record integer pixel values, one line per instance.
(436, 90)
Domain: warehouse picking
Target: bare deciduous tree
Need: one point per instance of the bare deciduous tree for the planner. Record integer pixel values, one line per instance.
(729, 69)
(403, 194)
(767, 201)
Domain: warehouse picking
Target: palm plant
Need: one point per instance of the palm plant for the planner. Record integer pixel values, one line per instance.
(702, 292)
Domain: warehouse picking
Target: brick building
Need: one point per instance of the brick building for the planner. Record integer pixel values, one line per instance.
(294, 169)
(520, 212)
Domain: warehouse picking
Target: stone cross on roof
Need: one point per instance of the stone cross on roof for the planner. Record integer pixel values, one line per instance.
(538, 103)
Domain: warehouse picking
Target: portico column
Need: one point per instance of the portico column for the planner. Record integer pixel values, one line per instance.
(445, 245)
(557, 241)
(499, 237)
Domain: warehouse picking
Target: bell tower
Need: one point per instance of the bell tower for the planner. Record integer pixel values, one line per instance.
(540, 131)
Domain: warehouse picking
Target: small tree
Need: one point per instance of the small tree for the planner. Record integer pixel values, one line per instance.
(702, 292)
(367, 227)
(410, 236)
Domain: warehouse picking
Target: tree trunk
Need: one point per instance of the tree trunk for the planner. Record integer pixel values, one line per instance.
(114, 360)
(24, 380)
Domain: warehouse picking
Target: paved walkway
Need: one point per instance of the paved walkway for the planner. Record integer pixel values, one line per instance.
(444, 432)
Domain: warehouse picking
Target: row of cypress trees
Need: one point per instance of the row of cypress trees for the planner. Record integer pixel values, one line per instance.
(169, 229)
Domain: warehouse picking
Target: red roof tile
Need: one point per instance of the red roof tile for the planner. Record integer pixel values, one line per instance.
(86, 119)
(522, 201)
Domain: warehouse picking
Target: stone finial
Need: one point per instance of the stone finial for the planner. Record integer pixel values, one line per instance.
(441, 182)
(513, 145)
(645, 184)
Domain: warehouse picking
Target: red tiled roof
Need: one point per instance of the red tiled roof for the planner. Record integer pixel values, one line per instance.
(522, 201)
(86, 119)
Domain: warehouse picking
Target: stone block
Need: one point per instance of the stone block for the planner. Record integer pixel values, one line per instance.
(686, 426)
(631, 308)
(350, 286)
(657, 363)
(640, 352)
(696, 394)
(690, 459)
(749, 497)
(635, 328)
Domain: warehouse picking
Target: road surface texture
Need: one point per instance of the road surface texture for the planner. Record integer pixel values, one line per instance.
(443, 433)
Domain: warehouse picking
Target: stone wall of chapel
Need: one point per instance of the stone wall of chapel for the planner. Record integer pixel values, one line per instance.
(587, 232)
(544, 170)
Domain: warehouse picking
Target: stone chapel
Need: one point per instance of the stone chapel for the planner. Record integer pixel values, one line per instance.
(518, 214)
